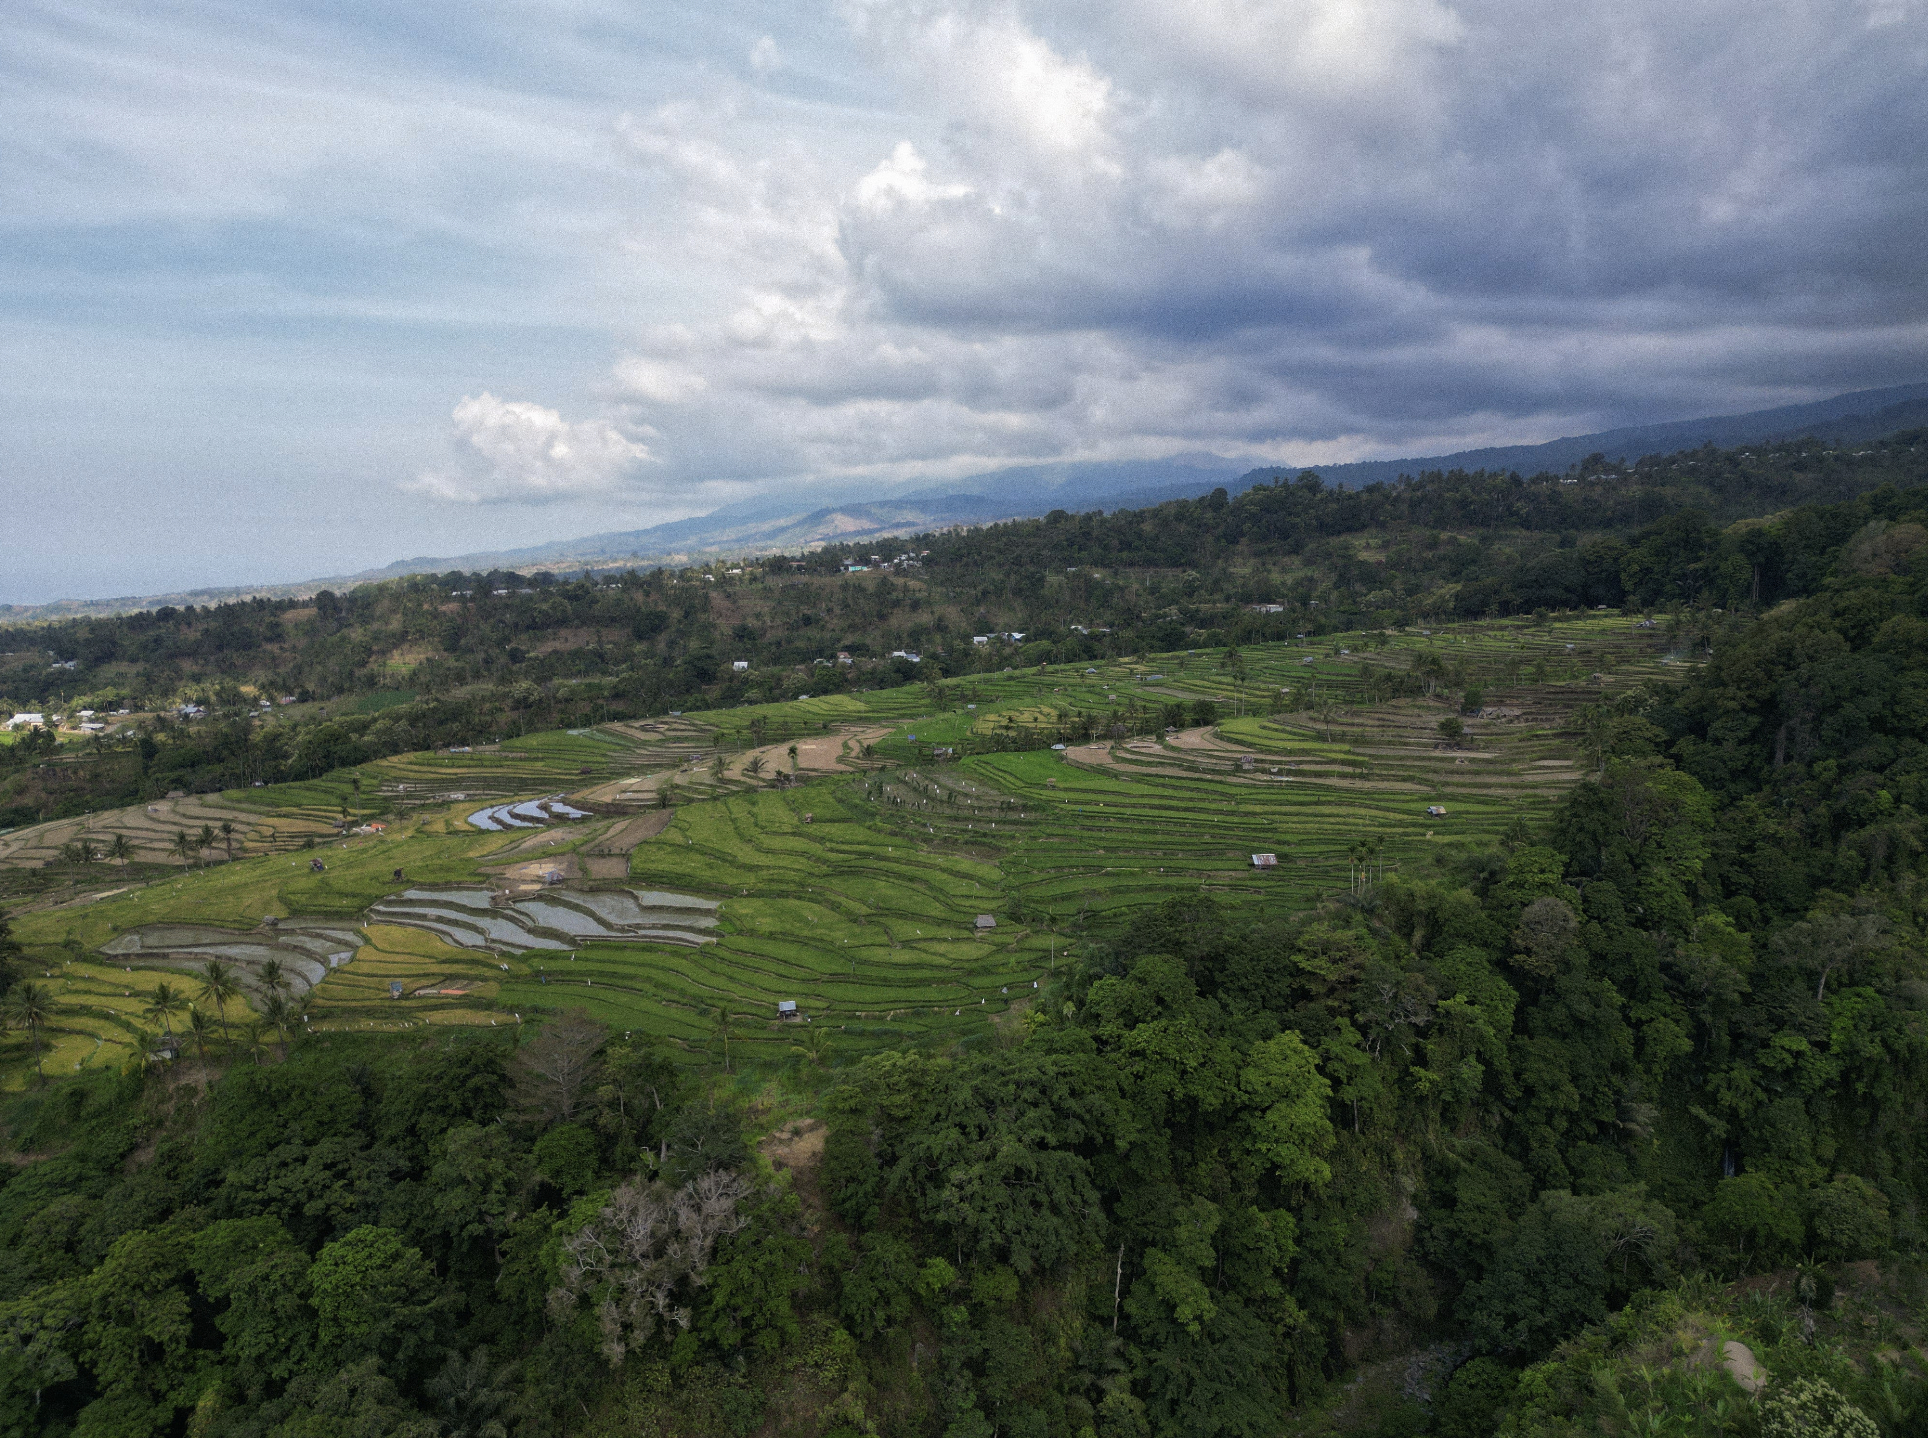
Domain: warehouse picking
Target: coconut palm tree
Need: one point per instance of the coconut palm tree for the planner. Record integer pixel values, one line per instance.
(218, 986)
(271, 976)
(183, 846)
(473, 1395)
(1327, 710)
(120, 851)
(163, 1002)
(204, 840)
(227, 837)
(199, 1032)
(793, 758)
(30, 1006)
(279, 1015)
(816, 1042)
(256, 1036)
(755, 766)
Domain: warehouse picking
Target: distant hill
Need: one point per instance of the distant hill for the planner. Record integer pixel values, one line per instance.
(780, 522)
(818, 514)
(1864, 414)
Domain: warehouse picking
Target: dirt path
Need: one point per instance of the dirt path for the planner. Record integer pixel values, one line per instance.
(1201, 739)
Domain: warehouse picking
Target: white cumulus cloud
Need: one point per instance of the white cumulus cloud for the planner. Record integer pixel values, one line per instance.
(514, 452)
(1292, 230)
(1274, 230)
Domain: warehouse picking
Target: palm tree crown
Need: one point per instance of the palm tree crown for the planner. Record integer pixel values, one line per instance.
(30, 1006)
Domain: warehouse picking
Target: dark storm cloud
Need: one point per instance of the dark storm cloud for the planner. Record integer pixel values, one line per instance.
(622, 263)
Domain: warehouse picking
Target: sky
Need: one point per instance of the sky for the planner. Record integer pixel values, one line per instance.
(298, 289)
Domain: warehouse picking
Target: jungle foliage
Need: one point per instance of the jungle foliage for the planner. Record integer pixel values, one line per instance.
(1533, 1108)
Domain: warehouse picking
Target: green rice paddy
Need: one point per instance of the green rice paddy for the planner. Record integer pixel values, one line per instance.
(856, 894)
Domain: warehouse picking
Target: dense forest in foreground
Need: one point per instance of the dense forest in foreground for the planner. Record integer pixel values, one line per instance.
(457, 659)
(1534, 1126)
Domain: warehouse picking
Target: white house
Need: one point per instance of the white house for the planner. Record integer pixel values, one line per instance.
(27, 721)
(739, 665)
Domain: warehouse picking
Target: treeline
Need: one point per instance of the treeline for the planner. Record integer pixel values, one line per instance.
(1658, 532)
(481, 657)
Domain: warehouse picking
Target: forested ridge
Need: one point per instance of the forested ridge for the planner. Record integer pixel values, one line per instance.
(1537, 1127)
(458, 659)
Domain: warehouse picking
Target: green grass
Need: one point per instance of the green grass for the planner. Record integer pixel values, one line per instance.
(855, 895)
(864, 930)
(379, 700)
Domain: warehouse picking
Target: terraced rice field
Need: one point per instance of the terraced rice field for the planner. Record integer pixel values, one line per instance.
(850, 885)
(866, 932)
(150, 830)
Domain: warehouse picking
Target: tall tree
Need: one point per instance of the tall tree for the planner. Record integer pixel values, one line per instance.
(30, 1006)
(164, 1002)
(279, 1015)
(10, 951)
(218, 987)
(199, 1033)
(554, 1069)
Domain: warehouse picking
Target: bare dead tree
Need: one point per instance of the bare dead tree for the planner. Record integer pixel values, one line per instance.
(643, 1257)
(554, 1068)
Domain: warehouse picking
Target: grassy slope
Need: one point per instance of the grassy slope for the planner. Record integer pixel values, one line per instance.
(863, 912)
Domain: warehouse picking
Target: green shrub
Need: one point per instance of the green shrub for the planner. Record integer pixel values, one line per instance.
(569, 1157)
(1808, 1408)
(1475, 1397)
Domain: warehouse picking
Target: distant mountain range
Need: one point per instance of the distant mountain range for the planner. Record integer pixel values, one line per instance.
(1864, 414)
(818, 515)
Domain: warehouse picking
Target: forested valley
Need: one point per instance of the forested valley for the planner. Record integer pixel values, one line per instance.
(1511, 1145)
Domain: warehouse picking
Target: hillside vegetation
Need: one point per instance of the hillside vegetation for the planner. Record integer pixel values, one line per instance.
(1561, 1073)
(465, 659)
